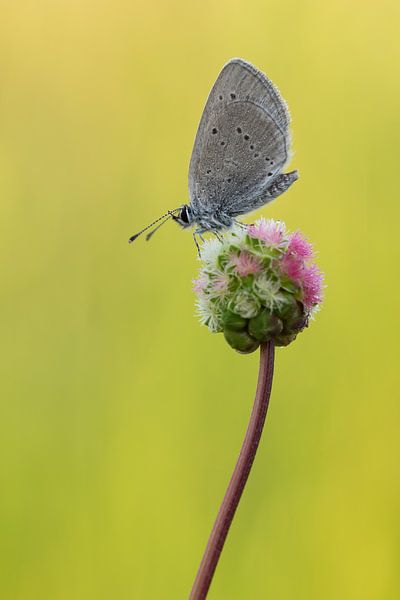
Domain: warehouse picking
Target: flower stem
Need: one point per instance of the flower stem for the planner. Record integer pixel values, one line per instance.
(239, 477)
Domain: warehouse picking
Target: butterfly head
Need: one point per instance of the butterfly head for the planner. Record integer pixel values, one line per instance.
(184, 217)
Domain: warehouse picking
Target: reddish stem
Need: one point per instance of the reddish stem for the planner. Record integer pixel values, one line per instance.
(239, 477)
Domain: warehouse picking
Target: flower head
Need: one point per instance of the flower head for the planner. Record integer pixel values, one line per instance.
(210, 252)
(271, 232)
(245, 264)
(299, 246)
(292, 266)
(220, 282)
(258, 284)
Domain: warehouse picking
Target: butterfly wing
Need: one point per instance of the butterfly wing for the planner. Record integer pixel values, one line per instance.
(242, 142)
(281, 184)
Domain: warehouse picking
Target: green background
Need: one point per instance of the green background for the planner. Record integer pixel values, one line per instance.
(121, 418)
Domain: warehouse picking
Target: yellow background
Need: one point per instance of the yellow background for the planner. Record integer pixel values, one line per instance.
(121, 417)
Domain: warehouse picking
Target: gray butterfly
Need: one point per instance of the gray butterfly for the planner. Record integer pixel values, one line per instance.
(242, 145)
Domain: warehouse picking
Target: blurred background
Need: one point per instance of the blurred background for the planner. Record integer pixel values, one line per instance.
(121, 417)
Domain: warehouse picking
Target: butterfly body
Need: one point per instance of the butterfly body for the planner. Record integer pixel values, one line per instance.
(204, 220)
(210, 219)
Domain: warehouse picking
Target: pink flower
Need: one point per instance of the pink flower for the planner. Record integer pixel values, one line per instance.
(312, 286)
(245, 264)
(220, 282)
(200, 284)
(292, 266)
(299, 246)
(271, 232)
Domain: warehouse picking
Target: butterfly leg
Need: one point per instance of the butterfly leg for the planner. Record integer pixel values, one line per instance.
(242, 225)
(197, 243)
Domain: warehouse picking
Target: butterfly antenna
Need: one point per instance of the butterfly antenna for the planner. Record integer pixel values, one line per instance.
(151, 233)
(167, 214)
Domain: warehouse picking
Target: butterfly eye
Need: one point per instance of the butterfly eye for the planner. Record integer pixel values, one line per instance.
(183, 215)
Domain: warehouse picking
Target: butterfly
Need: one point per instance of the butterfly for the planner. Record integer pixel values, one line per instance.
(241, 147)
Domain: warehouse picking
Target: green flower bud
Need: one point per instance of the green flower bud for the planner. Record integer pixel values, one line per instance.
(233, 321)
(294, 318)
(265, 326)
(285, 340)
(289, 308)
(245, 304)
(289, 286)
(241, 341)
(295, 325)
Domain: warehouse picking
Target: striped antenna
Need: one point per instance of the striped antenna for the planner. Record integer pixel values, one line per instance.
(167, 214)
